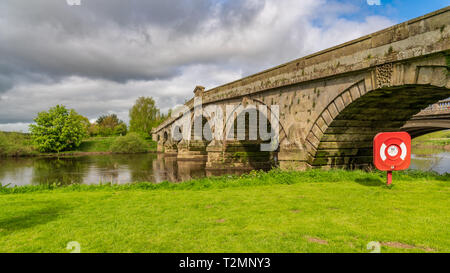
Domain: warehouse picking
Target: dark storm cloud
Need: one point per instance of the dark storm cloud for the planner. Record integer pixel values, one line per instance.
(108, 39)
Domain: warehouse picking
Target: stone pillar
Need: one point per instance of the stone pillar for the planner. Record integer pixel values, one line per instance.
(160, 147)
(239, 155)
(170, 147)
(192, 150)
(198, 91)
(215, 152)
(291, 157)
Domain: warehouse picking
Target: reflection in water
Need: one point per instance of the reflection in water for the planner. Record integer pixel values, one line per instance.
(120, 169)
(439, 162)
(190, 169)
(117, 169)
(64, 171)
(435, 159)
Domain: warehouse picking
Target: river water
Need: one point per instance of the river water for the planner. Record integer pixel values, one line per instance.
(95, 169)
(430, 159)
(122, 169)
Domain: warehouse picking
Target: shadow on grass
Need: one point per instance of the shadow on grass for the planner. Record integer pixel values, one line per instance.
(31, 218)
(370, 182)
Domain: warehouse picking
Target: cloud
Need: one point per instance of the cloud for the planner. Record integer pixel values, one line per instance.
(15, 127)
(100, 56)
(94, 97)
(115, 40)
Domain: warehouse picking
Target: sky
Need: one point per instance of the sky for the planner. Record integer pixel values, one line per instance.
(100, 56)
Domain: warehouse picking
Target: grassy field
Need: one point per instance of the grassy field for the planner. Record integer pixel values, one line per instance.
(440, 138)
(16, 144)
(96, 144)
(312, 211)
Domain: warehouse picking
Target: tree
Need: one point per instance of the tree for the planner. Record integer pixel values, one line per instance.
(57, 130)
(131, 143)
(85, 122)
(120, 130)
(94, 129)
(164, 117)
(144, 116)
(109, 121)
(111, 125)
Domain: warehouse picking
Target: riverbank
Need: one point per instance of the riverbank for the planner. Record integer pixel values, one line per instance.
(311, 211)
(436, 139)
(16, 144)
(427, 149)
(432, 143)
(13, 144)
(99, 146)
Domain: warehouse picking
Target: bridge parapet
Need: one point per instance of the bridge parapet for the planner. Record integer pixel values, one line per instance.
(442, 105)
(435, 117)
(437, 109)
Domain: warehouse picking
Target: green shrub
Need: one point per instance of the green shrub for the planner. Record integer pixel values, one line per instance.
(131, 143)
(120, 130)
(57, 130)
(108, 125)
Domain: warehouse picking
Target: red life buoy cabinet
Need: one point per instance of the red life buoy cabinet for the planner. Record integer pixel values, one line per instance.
(392, 151)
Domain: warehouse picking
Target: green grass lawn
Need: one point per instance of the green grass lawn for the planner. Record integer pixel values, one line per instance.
(437, 138)
(312, 211)
(96, 144)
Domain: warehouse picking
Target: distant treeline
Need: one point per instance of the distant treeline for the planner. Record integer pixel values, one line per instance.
(61, 129)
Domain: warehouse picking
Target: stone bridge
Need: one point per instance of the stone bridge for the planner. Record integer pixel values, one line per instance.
(434, 118)
(331, 103)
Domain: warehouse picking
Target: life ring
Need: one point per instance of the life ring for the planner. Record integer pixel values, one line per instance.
(392, 151)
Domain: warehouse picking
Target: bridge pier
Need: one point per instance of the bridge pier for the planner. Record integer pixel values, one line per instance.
(170, 147)
(160, 146)
(239, 155)
(215, 155)
(292, 158)
(192, 150)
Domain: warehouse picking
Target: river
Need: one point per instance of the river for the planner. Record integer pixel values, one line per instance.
(120, 169)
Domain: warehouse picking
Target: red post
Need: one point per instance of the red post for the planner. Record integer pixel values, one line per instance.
(389, 178)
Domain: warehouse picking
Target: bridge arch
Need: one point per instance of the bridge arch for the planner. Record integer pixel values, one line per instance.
(199, 135)
(203, 131)
(168, 143)
(423, 127)
(342, 134)
(233, 116)
(432, 119)
(244, 144)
